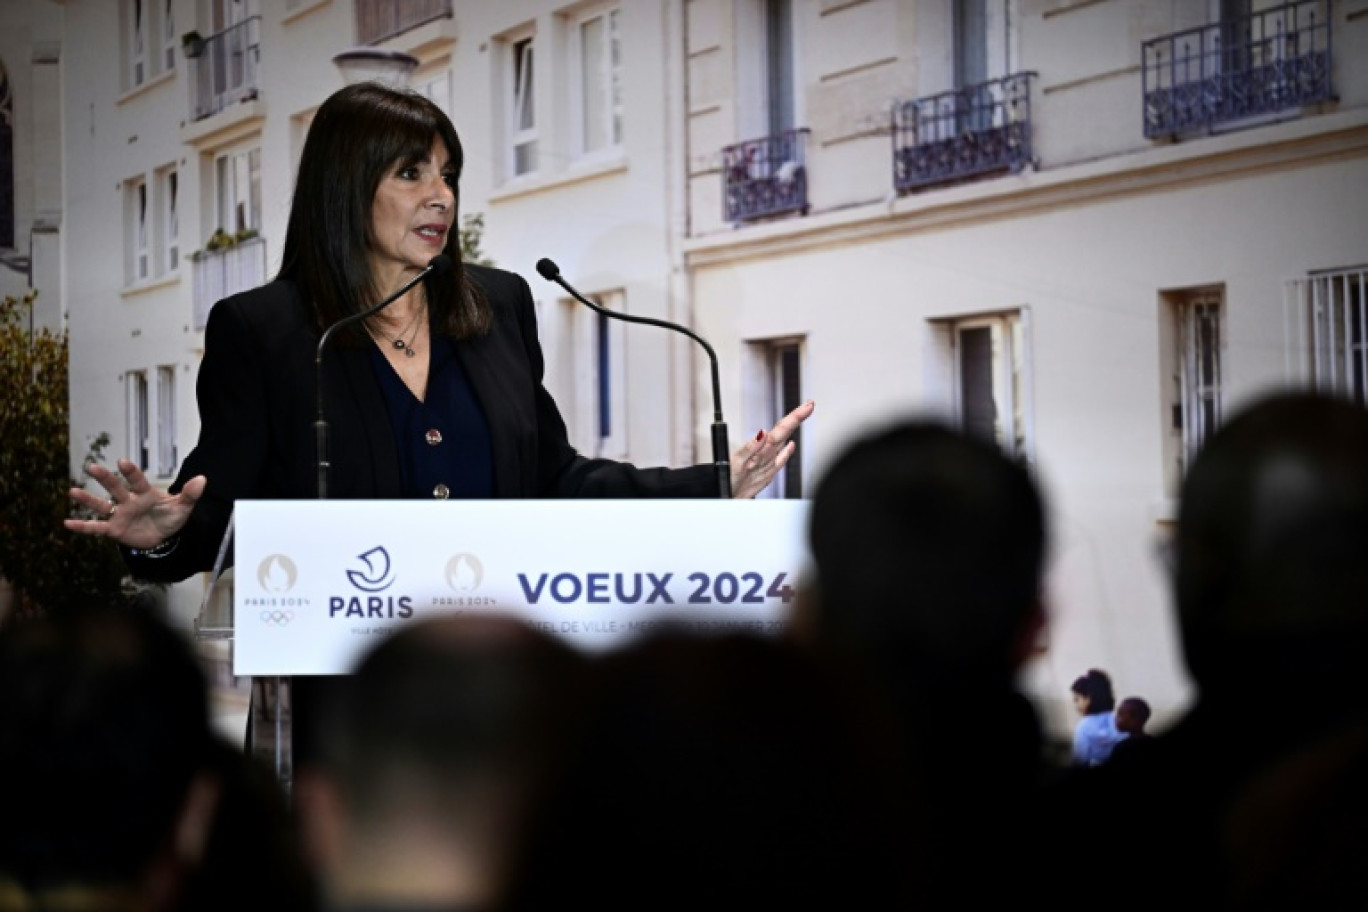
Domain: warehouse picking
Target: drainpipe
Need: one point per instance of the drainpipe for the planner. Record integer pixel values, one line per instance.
(679, 283)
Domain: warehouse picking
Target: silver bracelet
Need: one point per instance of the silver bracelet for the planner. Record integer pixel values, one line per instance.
(157, 551)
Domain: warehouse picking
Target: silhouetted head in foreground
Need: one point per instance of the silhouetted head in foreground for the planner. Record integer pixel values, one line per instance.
(928, 546)
(425, 760)
(1272, 578)
(105, 746)
(720, 771)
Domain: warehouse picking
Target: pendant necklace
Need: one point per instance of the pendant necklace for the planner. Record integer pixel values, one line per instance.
(411, 331)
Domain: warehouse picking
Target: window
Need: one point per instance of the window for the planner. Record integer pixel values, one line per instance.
(237, 190)
(138, 229)
(1328, 313)
(1192, 342)
(168, 33)
(985, 359)
(774, 387)
(598, 56)
(166, 420)
(137, 43)
(138, 434)
(970, 42)
(6, 161)
(169, 180)
(1236, 35)
(590, 364)
(435, 84)
(766, 80)
(779, 65)
(974, 109)
(149, 44)
(522, 117)
(224, 14)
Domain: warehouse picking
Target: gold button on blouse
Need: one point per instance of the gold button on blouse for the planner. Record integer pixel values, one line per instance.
(441, 492)
(433, 437)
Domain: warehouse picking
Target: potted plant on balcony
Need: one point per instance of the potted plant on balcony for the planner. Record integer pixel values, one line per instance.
(219, 240)
(192, 44)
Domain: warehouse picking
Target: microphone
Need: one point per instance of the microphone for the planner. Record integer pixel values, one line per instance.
(438, 265)
(721, 450)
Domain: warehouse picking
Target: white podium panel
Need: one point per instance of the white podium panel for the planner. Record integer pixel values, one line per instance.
(318, 582)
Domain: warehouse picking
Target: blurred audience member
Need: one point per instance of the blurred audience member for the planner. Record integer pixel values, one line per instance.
(118, 795)
(1132, 714)
(711, 772)
(424, 760)
(1096, 733)
(1256, 797)
(928, 548)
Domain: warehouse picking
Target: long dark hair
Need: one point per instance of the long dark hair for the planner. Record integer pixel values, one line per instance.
(357, 136)
(1096, 685)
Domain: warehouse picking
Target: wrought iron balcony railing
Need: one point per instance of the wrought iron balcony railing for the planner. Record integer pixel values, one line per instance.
(220, 273)
(1273, 60)
(965, 133)
(377, 20)
(766, 176)
(225, 68)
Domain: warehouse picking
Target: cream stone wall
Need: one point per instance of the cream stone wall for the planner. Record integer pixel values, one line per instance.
(1088, 244)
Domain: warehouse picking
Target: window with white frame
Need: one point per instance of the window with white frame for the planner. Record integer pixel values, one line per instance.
(139, 432)
(970, 30)
(779, 65)
(1327, 317)
(767, 83)
(1192, 347)
(168, 33)
(522, 117)
(434, 83)
(166, 420)
(148, 40)
(773, 388)
(138, 216)
(591, 365)
(237, 190)
(168, 180)
(224, 14)
(597, 56)
(136, 28)
(989, 378)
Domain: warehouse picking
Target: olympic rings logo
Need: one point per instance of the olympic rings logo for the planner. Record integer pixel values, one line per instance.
(277, 618)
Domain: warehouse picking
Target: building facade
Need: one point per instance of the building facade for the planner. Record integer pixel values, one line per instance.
(1087, 229)
(31, 155)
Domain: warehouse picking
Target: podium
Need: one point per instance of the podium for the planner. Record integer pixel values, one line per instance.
(315, 584)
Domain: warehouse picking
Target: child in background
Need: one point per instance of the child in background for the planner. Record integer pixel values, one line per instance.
(1131, 715)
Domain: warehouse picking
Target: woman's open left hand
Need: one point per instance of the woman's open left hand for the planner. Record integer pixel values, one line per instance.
(754, 465)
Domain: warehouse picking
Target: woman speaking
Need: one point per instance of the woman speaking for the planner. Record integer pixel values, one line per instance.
(439, 394)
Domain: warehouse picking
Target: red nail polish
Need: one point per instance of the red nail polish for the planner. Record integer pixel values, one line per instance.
(759, 435)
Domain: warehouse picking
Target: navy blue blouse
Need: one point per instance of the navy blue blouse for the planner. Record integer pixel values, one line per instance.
(443, 442)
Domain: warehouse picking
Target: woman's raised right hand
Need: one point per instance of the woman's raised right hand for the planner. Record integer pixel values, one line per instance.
(133, 513)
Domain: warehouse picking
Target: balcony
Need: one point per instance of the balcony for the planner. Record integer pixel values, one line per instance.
(1253, 66)
(220, 273)
(964, 133)
(224, 68)
(765, 177)
(377, 20)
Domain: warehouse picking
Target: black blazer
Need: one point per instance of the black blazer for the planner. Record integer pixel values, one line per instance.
(258, 402)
